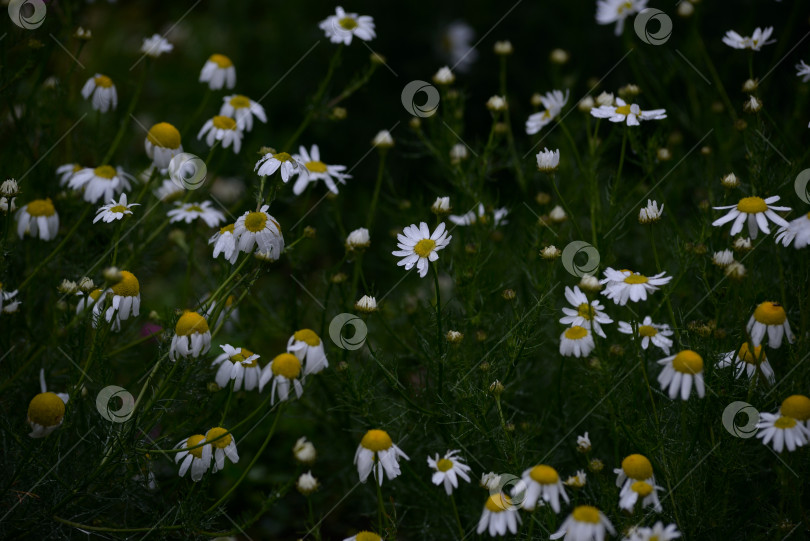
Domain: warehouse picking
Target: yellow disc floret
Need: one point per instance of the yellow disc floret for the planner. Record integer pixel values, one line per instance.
(240, 102)
(688, 362)
(576, 332)
(367, 536)
(224, 122)
(316, 166)
(214, 434)
(242, 356)
(286, 365)
(752, 205)
(585, 310)
(498, 502)
(105, 171)
(770, 313)
(190, 322)
(348, 23)
(545, 475)
(796, 406)
(308, 336)
(128, 286)
(636, 279)
(376, 440)
(103, 81)
(221, 60)
(41, 207)
(193, 441)
(46, 409)
(784, 422)
(647, 330)
(746, 355)
(637, 467)
(444, 464)
(424, 247)
(255, 221)
(623, 110)
(641, 488)
(164, 135)
(586, 513)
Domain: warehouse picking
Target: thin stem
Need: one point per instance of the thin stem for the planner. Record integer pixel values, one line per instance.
(455, 514)
(621, 166)
(439, 341)
(125, 122)
(380, 507)
(377, 185)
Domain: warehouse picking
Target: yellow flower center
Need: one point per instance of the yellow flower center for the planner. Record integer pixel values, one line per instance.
(240, 102)
(95, 294)
(308, 336)
(348, 23)
(164, 135)
(623, 110)
(688, 362)
(770, 313)
(576, 332)
(585, 310)
(747, 356)
(105, 171)
(41, 207)
(286, 365)
(224, 122)
(242, 356)
(376, 440)
(194, 208)
(498, 502)
(216, 432)
(128, 286)
(545, 475)
(796, 406)
(641, 488)
(623, 7)
(190, 322)
(255, 221)
(424, 247)
(752, 205)
(196, 439)
(586, 513)
(647, 330)
(636, 279)
(367, 536)
(103, 81)
(316, 167)
(46, 409)
(784, 422)
(227, 229)
(221, 60)
(637, 467)
(444, 464)
(283, 157)
(119, 208)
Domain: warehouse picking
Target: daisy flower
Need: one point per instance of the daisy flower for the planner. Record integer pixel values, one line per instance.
(218, 71)
(631, 493)
(280, 161)
(364, 536)
(358, 239)
(656, 333)
(378, 452)
(447, 470)
(576, 341)
(224, 445)
(261, 230)
(755, 42)
(46, 410)
(803, 71)
(786, 428)
(624, 285)
(471, 217)
(616, 11)
(196, 455)
(308, 347)
(796, 231)
(342, 27)
(38, 219)
(126, 299)
(304, 451)
(541, 481)
(586, 313)
(242, 109)
(417, 246)
(548, 160)
(222, 128)
(757, 210)
(629, 113)
(366, 304)
(723, 258)
(746, 362)
(191, 337)
(383, 140)
(585, 523)
(635, 467)
(67, 171)
(162, 143)
(188, 212)
(680, 371)
(101, 88)
(6, 296)
(498, 516)
(102, 183)
(284, 370)
(237, 364)
(576, 481)
(651, 213)
(155, 46)
(224, 243)
(114, 210)
(317, 170)
(553, 102)
(770, 317)
(87, 300)
(583, 443)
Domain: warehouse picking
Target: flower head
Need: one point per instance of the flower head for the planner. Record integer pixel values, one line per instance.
(448, 469)
(499, 515)
(239, 365)
(218, 71)
(583, 524)
(417, 246)
(224, 129)
(769, 317)
(38, 219)
(101, 91)
(162, 143)
(192, 337)
(155, 46)
(308, 347)
(314, 169)
(553, 102)
(616, 11)
(629, 113)
(260, 230)
(285, 371)
(242, 109)
(680, 372)
(754, 42)
(342, 27)
(378, 453)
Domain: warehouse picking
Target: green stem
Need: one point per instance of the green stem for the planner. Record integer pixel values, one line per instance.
(621, 166)
(380, 507)
(376, 195)
(125, 122)
(439, 341)
(458, 519)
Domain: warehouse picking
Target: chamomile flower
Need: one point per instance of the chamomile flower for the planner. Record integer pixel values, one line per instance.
(218, 71)
(756, 210)
(285, 371)
(746, 362)
(101, 183)
(755, 42)
(261, 230)
(803, 71)
(67, 171)
(286, 165)
(548, 160)
(101, 88)
(796, 231)
(585, 523)
(196, 454)
(647, 492)
(472, 217)
(658, 532)
(624, 285)
(786, 428)
(358, 240)
(542, 482)
(126, 299)
(586, 313)
(156, 45)
(378, 453)
(769, 317)
(188, 212)
(237, 364)
(114, 210)
(447, 470)
(576, 341)
(651, 213)
(635, 467)
(317, 170)
(342, 27)
(222, 128)
(304, 451)
(168, 191)
(576, 481)
(656, 334)
(162, 143)
(629, 113)
(308, 347)
(86, 300)
(616, 11)
(224, 445)
(242, 109)
(553, 102)
(38, 219)
(417, 246)
(6, 296)
(46, 410)
(723, 258)
(224, 243)
(498, 516)
(583, 443)
(364, 536)
(680, 372)
(192, 338)
(366, 304)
